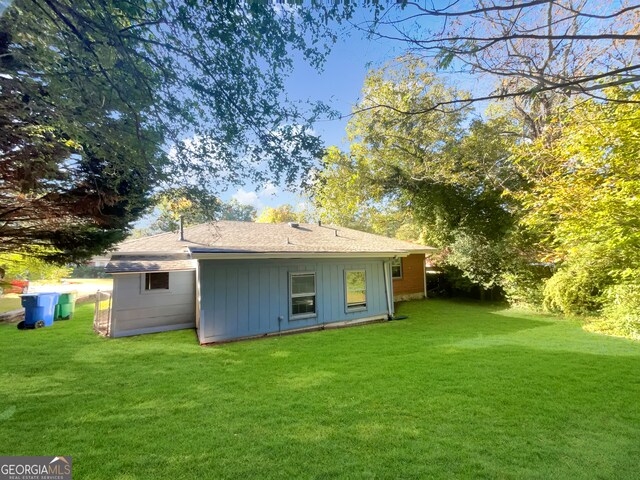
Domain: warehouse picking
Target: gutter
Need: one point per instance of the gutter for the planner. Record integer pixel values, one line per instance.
(387, 288)
(290, 255)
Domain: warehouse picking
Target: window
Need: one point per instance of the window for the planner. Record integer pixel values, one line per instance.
(303, 295)
(396, 268)
(356, 289)
(156, 281)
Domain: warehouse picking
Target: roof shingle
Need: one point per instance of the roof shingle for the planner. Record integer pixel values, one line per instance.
(249, 237)
(150, 263)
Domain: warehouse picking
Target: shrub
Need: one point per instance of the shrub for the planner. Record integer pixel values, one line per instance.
(88, 271)
(32, 268)
(523, 285)
(574, 290)
(622, 309)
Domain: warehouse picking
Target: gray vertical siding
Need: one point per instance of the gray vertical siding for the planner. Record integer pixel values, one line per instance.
(241, 298)
(136, 311)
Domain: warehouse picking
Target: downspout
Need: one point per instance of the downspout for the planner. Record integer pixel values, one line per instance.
(387, 289)
(199, 329)
(424, 275)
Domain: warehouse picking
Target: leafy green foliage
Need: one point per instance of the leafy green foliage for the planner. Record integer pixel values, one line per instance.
(573, 290)
(439, 176)
(523, 283)
(32, 268)
(479, 260)
(106, 103)
(583, 205)
(88, 271)
(75, 169)
(193, 204)
(283, 214)
(622, 309)
(232, 210)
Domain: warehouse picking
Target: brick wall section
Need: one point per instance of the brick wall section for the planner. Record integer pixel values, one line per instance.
(412, 280)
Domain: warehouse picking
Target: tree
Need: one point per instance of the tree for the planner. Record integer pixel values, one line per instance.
(583, 204)
(282, 214)
(539, 50)
(32, 268)
(107, 102)
(193, 204)
(73, 173)
(232, 210)
(194, 207)
(440, 172)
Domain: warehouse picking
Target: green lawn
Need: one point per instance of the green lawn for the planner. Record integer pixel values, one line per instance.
(455, 391)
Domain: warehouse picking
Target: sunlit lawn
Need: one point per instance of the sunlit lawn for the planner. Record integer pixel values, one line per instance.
(102, 282)
(9, 302)
(456, 390)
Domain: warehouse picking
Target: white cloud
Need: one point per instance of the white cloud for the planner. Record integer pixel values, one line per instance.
(303, 206)
(247, 198)
(269, 190)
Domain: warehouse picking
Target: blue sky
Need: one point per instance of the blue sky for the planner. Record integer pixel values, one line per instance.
(339, 85)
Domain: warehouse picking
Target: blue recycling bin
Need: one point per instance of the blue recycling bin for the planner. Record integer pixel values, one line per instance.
(39, 309)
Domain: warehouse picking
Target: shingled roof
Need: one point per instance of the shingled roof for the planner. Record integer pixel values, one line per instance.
(165, 251)
(260, 238)
(150, 263)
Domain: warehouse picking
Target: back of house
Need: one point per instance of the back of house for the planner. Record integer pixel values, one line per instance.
(233, 280)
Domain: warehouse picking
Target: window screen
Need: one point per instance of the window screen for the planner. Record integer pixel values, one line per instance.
(156, 281)
(303, 295)
(356, 289)
(396, 268)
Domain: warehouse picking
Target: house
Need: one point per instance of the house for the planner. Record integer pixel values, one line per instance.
(234, 280)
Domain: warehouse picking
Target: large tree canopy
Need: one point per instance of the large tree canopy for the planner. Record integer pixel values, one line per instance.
(103, 102)
(583, 204)
(440, 176)
(535, 50)
(75, 166)
(554, 220)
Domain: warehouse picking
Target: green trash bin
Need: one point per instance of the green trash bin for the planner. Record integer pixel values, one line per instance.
(66, 306)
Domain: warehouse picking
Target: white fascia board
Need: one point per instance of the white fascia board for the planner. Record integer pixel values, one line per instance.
(138, 272)
(424, 250)
(292, 255)
(150, 252)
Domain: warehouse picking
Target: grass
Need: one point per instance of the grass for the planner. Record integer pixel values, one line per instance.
(455, 391)
(9, 302)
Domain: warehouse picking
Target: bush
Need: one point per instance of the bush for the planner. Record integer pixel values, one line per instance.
(22, 266)
(524, 285)
(87, 271)
(621, 310)
(574, 290)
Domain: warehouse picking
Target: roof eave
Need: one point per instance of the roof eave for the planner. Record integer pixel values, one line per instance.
(138, 253)
(125, 272)
(423, 250)
(284, 255)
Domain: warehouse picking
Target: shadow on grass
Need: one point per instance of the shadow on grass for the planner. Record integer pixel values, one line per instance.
(453, 391)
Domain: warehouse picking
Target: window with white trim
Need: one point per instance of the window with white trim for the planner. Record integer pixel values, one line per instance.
(355, 283)
(156, 281)
(303, 294)
(396, 268)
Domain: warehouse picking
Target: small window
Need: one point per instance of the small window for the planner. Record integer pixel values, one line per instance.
(356, 289)
(303, 295)
(396, 268)
(156, 281)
